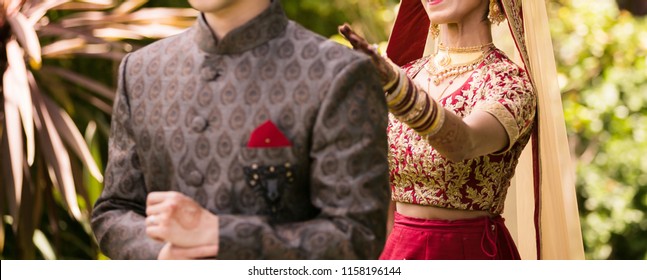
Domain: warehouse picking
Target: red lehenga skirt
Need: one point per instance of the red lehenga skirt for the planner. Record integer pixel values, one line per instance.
(471, 239)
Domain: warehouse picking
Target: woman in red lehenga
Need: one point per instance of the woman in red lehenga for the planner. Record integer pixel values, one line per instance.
(460, 120)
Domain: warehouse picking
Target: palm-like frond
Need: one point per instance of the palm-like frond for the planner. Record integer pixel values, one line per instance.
(41, 145)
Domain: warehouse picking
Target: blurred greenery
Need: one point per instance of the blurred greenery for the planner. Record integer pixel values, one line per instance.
(601, 54)
(81, 43)
(58, 234)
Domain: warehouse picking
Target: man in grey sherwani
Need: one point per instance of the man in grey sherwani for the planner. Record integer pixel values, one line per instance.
(245, 137)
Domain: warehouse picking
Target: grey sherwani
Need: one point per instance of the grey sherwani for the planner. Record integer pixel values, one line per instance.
(184, 112)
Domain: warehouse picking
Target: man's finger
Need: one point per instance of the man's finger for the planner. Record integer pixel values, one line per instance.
(156, 197)
(151, 220)
(156, 233)
(195, 252)
(158, 208)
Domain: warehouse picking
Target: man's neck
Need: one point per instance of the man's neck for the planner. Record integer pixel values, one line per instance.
(240, 12)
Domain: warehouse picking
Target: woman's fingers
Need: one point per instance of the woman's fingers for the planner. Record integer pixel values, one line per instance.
(346, 31)
(358, 42)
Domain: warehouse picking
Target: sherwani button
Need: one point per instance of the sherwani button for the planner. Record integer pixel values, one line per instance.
(208, 73)
(199, 124)
(195, 178)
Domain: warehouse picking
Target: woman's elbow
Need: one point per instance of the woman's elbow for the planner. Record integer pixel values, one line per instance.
(468, 150)
(456, 155)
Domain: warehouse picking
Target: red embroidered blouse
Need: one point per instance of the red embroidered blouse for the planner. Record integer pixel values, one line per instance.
(420, 175)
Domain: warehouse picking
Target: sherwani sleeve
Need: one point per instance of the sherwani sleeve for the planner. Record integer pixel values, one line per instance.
(348, 182)
(118, 215)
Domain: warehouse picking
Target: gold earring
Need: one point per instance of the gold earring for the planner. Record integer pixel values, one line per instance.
(434, 30)
(495, 15)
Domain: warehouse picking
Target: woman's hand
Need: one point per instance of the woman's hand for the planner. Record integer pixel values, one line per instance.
(384, 66)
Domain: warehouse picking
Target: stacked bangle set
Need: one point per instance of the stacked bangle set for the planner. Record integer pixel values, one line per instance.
(413, 106)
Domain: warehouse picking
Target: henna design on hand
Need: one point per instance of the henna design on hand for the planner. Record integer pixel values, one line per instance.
(383, 65)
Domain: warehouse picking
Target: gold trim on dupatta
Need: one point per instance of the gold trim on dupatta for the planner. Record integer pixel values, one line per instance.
(558, 227)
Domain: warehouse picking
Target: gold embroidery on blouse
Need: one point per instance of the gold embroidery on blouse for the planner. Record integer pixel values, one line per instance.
(420, 175)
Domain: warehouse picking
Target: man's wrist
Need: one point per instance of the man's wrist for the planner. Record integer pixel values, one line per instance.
(211, 233)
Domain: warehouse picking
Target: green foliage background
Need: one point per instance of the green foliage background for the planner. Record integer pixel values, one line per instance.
(601, 55)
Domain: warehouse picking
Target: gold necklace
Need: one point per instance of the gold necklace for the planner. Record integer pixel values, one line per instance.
(442, 47)
(443, 59)
(438, 74)
(469, 58)
(444, 90)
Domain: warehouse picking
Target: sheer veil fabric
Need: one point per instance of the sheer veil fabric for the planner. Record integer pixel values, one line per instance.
(541, 206)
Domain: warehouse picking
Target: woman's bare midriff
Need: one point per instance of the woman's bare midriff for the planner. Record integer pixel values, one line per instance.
(436, 213)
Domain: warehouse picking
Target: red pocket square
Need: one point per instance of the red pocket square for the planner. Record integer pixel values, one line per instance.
(267, 135)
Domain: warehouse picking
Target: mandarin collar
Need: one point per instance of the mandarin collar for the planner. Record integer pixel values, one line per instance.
(264, 27)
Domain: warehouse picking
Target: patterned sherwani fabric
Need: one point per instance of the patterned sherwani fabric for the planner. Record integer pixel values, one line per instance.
(184, 112)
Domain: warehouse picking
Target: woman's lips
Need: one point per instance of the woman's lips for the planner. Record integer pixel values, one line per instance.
(434, 2)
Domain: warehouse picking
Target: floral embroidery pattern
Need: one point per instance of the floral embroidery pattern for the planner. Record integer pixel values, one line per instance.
(421, 175)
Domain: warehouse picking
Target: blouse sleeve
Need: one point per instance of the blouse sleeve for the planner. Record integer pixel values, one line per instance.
(508, 95)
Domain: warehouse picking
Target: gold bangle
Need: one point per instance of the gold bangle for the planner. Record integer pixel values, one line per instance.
(407, 103)
(437, 124)
(425, 123)
(410, 116)
(427, 115)
(415, 114)
(390, 87)
(398, 74)
(391, 83)
(394, 98)
(402, 97)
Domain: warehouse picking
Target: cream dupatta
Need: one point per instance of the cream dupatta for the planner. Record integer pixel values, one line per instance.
(557, 224)
(541, 207)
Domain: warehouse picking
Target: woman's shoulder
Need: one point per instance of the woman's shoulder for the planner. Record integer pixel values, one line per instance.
(500, 69)
(412, 68)
(498, 62)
